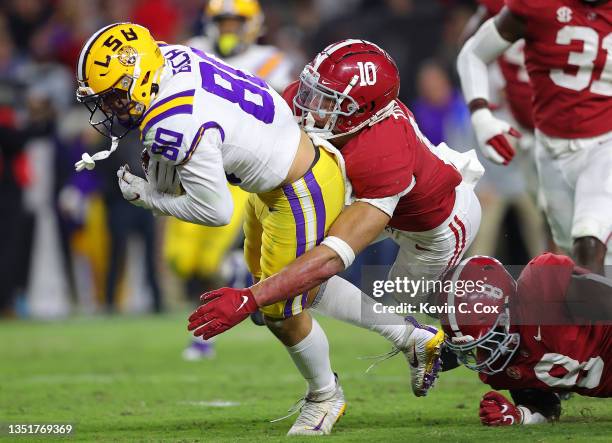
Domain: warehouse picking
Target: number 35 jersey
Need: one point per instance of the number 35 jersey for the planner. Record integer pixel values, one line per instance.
(556, 352)
(568, 54)
(255, 136)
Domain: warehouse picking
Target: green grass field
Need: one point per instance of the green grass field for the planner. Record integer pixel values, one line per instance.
(122, 379)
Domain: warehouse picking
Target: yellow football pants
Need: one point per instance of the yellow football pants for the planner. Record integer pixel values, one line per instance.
(194, 250)
(282, 224)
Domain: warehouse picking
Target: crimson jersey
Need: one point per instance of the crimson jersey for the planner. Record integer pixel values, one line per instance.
(388, 157)
(568, 54)
(558, 356)
(512, 66)
(392, 156)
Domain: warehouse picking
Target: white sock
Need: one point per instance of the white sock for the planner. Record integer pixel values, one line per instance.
(344, 301)
(311, 356)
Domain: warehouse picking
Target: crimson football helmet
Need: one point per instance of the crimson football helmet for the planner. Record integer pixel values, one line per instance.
(476, 318)
(348, 85)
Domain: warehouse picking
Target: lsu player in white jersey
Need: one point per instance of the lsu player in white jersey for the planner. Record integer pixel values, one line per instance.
(205, 123)
(232, 30)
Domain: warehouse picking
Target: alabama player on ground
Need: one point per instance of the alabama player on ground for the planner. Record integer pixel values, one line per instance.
(402, 187)
(205, 123)
(548, 332)
(568, 55)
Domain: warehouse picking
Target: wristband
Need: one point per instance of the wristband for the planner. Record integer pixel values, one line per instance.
(342, 248)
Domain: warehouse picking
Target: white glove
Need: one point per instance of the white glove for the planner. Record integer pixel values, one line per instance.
(491, 135)
(161, 174)
(136, 190)
(164, 177)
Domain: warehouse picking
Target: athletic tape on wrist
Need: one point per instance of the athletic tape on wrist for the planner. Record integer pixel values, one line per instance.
(342, 248)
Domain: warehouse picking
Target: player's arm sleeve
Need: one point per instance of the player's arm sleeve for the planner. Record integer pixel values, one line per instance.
(536, 405)
(207, 200)
(484, 47)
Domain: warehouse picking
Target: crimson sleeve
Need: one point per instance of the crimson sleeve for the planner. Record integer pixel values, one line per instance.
(380, 161)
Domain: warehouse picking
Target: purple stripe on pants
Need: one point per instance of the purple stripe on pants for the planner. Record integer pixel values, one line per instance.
(300, 232)
(319, 204)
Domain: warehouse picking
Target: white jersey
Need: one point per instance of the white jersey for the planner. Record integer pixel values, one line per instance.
(264, 61)
(214, 122)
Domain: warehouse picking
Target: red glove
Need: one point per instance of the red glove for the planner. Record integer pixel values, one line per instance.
(497, 410)
(222, 309)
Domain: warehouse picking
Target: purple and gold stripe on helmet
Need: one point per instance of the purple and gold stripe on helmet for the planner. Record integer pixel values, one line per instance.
(198, 136)
(179, 103)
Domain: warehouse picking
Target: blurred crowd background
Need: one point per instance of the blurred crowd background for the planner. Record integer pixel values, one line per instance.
(71, 244)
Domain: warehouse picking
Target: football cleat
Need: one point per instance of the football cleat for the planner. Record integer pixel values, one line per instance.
(318, 412)
(423, 354)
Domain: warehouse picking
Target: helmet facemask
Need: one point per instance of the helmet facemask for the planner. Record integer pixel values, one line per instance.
(112, 112)
(490, 353)
(321, 106)
(230, 34)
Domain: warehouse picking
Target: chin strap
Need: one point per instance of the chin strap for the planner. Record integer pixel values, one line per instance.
(89, 161)
(379, 116)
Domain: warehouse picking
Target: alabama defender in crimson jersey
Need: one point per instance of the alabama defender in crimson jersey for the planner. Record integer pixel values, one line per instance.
(568, 55)
(401, 183)
(418, 194)
(548, 332)
(511, 63)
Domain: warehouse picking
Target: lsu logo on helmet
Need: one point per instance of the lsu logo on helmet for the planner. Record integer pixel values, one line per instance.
(118, 74)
